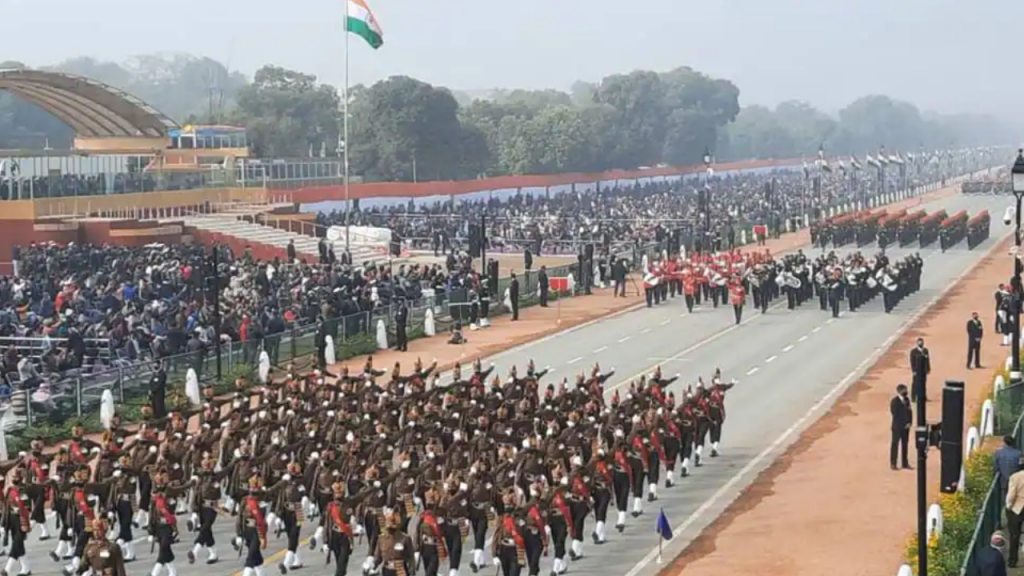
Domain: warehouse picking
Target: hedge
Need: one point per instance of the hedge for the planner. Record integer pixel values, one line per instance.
(961, 510)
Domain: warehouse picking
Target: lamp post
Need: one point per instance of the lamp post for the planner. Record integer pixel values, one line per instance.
(1017, 180)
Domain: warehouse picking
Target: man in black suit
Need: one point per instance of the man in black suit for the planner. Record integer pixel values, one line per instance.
(975, 331)
(921, 366)
(902, 418)
(513, 296)
(401, 327)
(990, 560)
(542, 281)
(292, 255)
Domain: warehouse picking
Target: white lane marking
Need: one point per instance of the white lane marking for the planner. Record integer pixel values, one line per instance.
(624, 338)
(787, 348)
(816, 330)
(802, 338)
(770, 359)
(601, 349)
(693, 347)
(575, 360)
(830, 320)
(820, 404)
(645, 330)
(752, 371)
(666, 322)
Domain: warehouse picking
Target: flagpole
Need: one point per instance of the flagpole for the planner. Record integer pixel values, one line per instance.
(344, 111)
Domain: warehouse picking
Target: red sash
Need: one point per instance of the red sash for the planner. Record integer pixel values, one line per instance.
(83, 505)
(538, 519)
(638, 445)
(442, 548)
(563, 507)
(620, 459)
(13, 495)
(580, 487)
(164, 510)
(510, 529)
(38, 470)
(76, 453)
(253, 505)
(656, 442)
(339, 519)
(672, 428)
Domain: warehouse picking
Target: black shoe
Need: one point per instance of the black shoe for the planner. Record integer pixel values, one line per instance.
(474, 567)
(908, 467)
(620, 527)
(212, 560)
(574, 556)
(191, 526)
(684, 473)
(191, 557)
(54, 557)
(668, 483)
(282, 569)
(651, 497)
(312, 543)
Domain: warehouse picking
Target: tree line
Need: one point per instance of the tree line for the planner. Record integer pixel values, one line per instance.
(402, 128)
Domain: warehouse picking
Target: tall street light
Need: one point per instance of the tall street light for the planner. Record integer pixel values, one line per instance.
(1017, 173)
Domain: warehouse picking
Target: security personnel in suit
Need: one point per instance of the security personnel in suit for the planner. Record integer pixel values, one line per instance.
(975, 331)
(402, 327)
(513, 296)
(542, 281)
(990, 560)
(902, 418)
(921, 366)
(1015, 514)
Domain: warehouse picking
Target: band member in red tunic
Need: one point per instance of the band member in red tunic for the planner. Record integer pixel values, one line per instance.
(690, 288)
(738, 297)
(715, 395)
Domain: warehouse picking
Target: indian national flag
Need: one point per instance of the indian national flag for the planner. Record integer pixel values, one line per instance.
(359, 20)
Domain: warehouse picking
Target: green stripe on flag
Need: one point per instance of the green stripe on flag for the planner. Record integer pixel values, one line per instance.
(362, 29)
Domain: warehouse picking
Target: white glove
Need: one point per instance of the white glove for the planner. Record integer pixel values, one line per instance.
(416, 556)
(325, 548)
(69, 532)
(358, 529)
(417, 502)
(497, 562)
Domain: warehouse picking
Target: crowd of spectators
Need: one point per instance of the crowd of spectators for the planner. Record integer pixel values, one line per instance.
(65, 185)
(560, 222)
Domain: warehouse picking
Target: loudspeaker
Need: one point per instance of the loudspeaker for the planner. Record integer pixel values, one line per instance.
(951, 445)
(492, 278)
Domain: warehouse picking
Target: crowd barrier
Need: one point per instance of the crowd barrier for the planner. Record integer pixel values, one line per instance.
(998, 187)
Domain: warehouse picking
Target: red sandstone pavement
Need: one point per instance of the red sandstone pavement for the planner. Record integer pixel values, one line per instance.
(831, 505)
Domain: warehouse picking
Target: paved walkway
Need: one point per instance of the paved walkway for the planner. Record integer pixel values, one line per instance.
(831, 505)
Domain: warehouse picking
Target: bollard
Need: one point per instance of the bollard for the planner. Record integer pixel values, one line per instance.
(428, 323)
(934, 520)
(330, 352)
(987, 418)
(264, 366)
(382, 336)
(905, 570)
(998, 386)
(192, 388)
(973, 440)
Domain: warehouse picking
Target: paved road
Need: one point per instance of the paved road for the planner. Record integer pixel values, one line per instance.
(790, 366)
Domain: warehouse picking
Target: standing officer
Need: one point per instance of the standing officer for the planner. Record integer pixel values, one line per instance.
(921, 366)
(513, 296)
(158, 391)
(401, 327)
(902, 416)
(542, 281)
(975, 331)
(528, 263)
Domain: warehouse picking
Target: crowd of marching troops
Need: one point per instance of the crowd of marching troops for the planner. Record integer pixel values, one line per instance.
(415, 474)
(902, 228)
(729, 277)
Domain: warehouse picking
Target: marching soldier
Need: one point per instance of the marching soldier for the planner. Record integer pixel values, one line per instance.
(207, 495)
(102, 557)
(508, 546)
(738, 297)
(16, 523)
(395, 553)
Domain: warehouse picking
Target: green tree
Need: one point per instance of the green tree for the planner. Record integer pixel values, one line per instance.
(403, 128)
(638, 99)
(288, 113)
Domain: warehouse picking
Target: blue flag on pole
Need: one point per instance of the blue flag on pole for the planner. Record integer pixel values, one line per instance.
(663, 528)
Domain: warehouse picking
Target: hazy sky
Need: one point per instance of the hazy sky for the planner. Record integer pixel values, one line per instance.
(943, 55)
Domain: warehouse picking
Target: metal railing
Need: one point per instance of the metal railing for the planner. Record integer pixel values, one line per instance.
(1009, 417)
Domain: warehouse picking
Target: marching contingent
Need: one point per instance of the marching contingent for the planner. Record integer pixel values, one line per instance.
(483, 469)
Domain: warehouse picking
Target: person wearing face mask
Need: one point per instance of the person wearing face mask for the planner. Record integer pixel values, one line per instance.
(559, 518)
(481, 496)
(286, 499)
(921, 367)
(207, 505)
(395, 553)
(508, 547)
(902, 419)
(432, 543)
